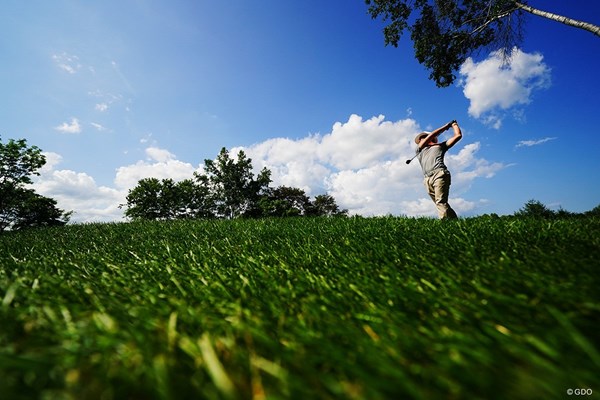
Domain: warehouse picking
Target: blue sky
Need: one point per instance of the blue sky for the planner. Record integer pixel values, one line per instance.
(116, 91)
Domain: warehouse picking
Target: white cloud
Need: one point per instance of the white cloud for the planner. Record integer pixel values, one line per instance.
(72, 127)
(91, 202)
(369, 142)
(161, 165)
(67, 62)
(160, 155)
(423, 206)
(78, 192)
(362, 165)
(52, 159)
(101, 107)
(494, 87)
(529, 143)
(468, 166)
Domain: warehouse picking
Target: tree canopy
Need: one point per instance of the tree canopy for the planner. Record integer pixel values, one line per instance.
(446, 32)
(166, 199)
(227, 188)
(232, 187)
(20, 206)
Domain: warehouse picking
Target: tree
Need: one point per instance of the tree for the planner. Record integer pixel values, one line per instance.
(226, 189)
(143, 201)
(195, 200)
(594, 212)
(21, 207)
(535, 209)
(446, 32)
(154, 199)
(232, 188)
(38, 211)
(285, 201)
(325, 205)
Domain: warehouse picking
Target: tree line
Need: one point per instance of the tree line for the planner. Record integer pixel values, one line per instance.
(536, 209)
(227, 188)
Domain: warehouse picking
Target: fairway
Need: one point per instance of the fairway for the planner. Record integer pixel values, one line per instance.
(302, 308)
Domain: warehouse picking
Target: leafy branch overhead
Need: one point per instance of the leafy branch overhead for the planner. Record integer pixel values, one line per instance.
(446, 32)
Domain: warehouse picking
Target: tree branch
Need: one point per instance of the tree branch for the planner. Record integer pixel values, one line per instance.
(595, 29)
(495, 18)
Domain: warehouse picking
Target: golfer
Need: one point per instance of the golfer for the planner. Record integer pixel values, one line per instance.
(431, 157)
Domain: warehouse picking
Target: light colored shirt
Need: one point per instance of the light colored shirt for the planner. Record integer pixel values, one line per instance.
(432, 157)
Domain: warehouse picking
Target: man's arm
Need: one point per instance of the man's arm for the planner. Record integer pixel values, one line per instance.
(435, 134)
(457, 135)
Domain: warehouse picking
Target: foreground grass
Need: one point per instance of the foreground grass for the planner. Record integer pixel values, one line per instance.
(379, 308)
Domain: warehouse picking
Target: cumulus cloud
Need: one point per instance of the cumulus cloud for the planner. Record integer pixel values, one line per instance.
(161, 164)
(79, 192)
(52, 160)
(72, 127)
(362, 164)
(158, 154)
(468, 166)
(495, 87)
(529, 143)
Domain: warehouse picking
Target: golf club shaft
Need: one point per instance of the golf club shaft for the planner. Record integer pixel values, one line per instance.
(413, 157)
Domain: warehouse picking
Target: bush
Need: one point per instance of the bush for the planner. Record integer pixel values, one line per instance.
(535, 209)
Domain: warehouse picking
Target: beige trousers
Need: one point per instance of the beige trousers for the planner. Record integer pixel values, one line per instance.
(438, 187)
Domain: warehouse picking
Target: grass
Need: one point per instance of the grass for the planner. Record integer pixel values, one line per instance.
(352, 308)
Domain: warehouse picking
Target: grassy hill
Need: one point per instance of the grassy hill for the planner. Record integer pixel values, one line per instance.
(356, 308)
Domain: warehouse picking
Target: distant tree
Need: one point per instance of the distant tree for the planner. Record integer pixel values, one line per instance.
(37, 211)
(154, 199)
(183, 200)
(325, 205)
(195, 200)
(21, 207)
(285, 201)
(594, 212)
(536, 209)
(446, 32)
(227, 188)
(143, 201)
(562, 213)
(232, 187)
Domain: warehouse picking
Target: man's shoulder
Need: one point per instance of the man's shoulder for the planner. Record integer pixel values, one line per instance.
(442, 146)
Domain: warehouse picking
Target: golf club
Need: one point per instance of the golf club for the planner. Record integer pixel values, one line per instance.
(408, 161)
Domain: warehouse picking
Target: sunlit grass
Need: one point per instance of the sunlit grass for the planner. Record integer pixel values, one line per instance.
(378, 308)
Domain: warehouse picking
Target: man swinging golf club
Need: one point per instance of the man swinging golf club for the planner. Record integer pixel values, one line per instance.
(431, 154)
